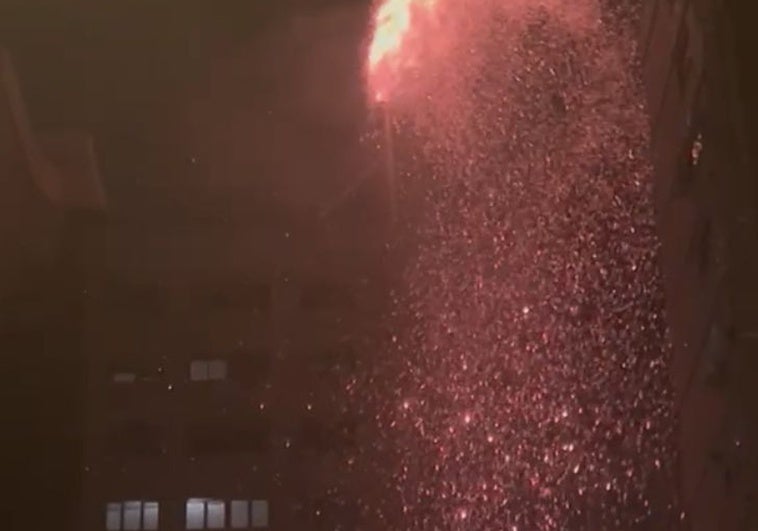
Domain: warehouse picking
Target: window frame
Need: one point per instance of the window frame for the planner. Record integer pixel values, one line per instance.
(254, 514)
(142, 523)
(208, 370)
(205, 503)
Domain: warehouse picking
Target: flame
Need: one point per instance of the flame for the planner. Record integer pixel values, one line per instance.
(393, 20)
(392, 25)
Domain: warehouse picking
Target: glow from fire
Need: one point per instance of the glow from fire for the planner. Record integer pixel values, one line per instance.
(524, 380)
(393, 23)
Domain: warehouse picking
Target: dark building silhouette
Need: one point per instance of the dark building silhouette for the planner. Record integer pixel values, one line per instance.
(219, 359)
(234, 308)
(51, 206)
(700, 79)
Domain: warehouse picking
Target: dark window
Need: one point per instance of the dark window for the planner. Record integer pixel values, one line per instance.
(143, 298)
(682, 56)
(243, 297)
(315, 436)
(136, 438)
(341, 358)
(346, 433)
(326, 296)
(320, 437)
(250, 367)
(329, 513)
(699, 251)
(704, 247)
(214, 437)
(208, 370)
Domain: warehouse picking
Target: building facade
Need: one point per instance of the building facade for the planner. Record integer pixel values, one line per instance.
(700, 103)
(223, 353)
(51, 206)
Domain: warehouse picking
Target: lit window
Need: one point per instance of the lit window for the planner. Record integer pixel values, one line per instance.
(217, 370)
(195, 514)
(202, 370)
(124, 377)
(150, 515)
(199, 370)
(260, 513)
(131, 515)
(216, 514)
(113, 517)
(240, 514)
(205, 514)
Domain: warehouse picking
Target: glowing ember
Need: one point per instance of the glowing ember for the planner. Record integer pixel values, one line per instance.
(527, 324)
(392, 27)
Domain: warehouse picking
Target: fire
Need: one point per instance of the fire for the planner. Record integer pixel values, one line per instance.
(392, 25)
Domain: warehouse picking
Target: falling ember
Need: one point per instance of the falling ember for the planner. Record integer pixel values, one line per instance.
(393, 24)
(527, 324)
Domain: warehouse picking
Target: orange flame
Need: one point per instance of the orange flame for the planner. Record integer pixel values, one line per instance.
(392, 24)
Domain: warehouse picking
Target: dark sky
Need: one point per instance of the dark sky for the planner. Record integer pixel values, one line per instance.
(264, 96)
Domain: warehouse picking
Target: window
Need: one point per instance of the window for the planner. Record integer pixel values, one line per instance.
(315, 436)
(704, 247)
(131, 515)
(240, 517)
(204, 513)
(324, 438)
(135, 437)
(205, 370)
(132, 371)
(338, 359)
(254, 297)
(683, 59)
(215, 514)
(124, 377)
(220, 436)
(250, 367)
(195, 514)
(113, 517)
(316, 297)
(260, 513)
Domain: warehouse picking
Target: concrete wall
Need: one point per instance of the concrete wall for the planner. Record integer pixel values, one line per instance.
(706, 213)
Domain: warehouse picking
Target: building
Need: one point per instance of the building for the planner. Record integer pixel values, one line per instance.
(223, 340)
(51, 205)
(212, 347)
(699, 82)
